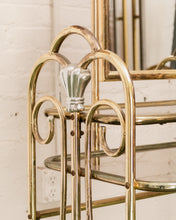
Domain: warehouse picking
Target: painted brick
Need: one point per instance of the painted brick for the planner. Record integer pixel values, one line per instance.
(27, 28)
(21, 15)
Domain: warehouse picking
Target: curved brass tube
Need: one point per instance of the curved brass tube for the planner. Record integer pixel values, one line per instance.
(51, 121)
(103, 142)
(35, 124)
(130, 141)
(164, 61)
(39, 64)
(31, 141)
(174, 52)
(104, 145)
(63, 144)
(121, 117)
(106, 149)
(155, 186)
(94, 44)
(84, 32)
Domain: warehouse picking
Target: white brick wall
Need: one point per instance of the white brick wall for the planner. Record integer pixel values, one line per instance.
(26, 31)
(25, 34)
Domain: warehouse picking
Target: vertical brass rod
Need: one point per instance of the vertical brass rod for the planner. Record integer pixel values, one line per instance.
(88, 188)
(125, 32)
(103, 34)
(31, 164)
(97, 96)
(63, 193)
(141, 34)
(49, 138)
(114, 27)
(93, 19)
(31, 155)
(130, 130)
(130, 155)
(75, 166)
(95, 6)
(31, 141)
(134, 31)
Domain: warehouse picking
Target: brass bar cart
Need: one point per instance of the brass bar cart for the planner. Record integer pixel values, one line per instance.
(75, 79)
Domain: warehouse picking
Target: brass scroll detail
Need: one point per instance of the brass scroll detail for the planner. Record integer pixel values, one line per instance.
(36, 109)
(49, 138)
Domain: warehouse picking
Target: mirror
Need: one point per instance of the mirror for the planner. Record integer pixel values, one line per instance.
(141, 32)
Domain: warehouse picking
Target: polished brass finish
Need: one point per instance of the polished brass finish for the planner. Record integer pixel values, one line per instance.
(31, 140)
(53, 112)
(164, 61)
(99, 203)
(146, 74)
(125, 116)
(101, 28)
(63, 144)
(103, 142)
(125, 32)
(75, 167)
(85, 33)
(137, 33)
(130, 125)
(54, 162)
(141, 22)
(101, 25)
(35, 124)
(155, 186)
(134, 30)
(140, 120)
(33, 133)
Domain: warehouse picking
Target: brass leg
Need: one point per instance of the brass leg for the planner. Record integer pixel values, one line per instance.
(75, 166)
(130, 164)
(31, 169)
(32, 180)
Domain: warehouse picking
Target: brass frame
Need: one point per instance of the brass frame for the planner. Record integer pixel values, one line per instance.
(126, 117)
(100, 28)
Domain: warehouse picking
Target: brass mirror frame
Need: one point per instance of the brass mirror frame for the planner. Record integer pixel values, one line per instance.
(100, 13)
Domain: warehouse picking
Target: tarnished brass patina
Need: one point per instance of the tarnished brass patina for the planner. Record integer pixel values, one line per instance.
(31, 139)
(75, 79)
(33, 133)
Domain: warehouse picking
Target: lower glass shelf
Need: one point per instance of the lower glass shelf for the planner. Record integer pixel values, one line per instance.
(102, 173)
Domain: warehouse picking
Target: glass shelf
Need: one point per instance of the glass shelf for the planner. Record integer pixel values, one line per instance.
(159, 112)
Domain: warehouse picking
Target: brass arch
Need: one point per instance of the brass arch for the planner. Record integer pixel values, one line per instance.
(114, 59)
(130, 140)
(84, 32)
(31, 141)
(39, 64)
